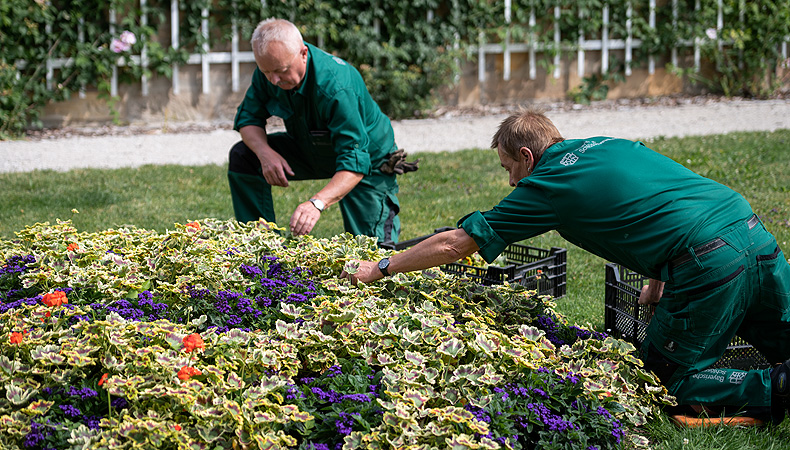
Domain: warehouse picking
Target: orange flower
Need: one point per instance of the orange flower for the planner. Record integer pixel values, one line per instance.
(193, 342)
(56, 298)
(103, 379)
(16, 337)
(187, 372)
(73, 246)
(177, 427)
(194, 225)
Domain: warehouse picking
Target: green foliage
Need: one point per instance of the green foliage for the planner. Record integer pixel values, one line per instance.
(33, 32)
(406, 51)
(744, 54)
(594, 88)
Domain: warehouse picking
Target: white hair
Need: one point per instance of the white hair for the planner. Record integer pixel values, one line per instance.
(276, 30)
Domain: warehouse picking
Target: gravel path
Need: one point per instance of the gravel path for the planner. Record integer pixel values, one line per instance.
(448, 130)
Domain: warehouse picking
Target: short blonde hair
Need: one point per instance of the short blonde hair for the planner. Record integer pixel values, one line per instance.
(528, 128)
(276, 30)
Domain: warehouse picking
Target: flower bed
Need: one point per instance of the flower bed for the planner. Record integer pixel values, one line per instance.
(224, 335)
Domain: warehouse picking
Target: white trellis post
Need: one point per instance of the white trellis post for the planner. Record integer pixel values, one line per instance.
(114, 76)
(81, 39)
(174, 37)
(674, 54)
(697, 42)
(580, 52)
(50, 67)
(533, 70)
(629, 39)
(205, 55)
(605, 40)
(481, 58)
(741, 14)
(456, 42)
(557, 61)
(651, 60)
(506, 55)
(719, 24)
(234, 52)
(144, 51)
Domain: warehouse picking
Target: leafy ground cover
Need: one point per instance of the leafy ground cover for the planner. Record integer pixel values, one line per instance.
(221, 335)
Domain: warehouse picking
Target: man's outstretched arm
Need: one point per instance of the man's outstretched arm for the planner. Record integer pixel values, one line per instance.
(442, 248)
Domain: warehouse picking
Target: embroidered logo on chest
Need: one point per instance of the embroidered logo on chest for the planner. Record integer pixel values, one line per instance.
(569, 159)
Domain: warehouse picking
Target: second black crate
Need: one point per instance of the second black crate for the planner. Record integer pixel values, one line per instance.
(626, 319)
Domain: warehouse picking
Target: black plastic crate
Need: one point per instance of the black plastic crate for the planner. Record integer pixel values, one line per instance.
(544, 270)
(626, 319)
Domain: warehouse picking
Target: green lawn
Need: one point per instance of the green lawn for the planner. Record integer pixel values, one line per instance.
(447, 186)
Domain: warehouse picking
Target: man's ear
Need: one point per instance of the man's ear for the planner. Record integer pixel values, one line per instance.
(527, 154)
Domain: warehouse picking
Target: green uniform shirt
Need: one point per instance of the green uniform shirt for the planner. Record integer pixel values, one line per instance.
(331, 112)
(612, 197)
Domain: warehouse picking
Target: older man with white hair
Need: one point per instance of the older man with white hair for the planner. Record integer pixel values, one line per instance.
(334, 130)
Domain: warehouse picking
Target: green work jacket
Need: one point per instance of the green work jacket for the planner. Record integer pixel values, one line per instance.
(615, 198)
(331, 112)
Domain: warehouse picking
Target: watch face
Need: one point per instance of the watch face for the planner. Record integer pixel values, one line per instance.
(384, 263)
(318, 204)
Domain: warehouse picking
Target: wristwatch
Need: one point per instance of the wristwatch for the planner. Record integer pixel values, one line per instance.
(383, 265)
(319, 205)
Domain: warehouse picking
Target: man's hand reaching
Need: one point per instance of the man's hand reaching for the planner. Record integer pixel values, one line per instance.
(651, 293)
(367, 271)
(304, 218)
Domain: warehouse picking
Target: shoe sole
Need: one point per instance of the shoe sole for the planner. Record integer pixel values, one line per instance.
(701, 422)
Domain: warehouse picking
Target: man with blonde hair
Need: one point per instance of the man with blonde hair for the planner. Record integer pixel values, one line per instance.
(334, 130)
(715, 270)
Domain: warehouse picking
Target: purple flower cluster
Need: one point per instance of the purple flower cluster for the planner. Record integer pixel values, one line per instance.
(17, 303)
(312, 446)
(345, 423)
(37, 435)
(342, 400)
(258, 306)
(617, 428)
(17, 264)
(333, 371)
(142, 309)
(552, 421)
(13, 295)
(332, 396)
(535, 412)
(73, 404)
(561, 334)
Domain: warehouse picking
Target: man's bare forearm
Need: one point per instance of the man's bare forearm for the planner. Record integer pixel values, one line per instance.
(442, 248)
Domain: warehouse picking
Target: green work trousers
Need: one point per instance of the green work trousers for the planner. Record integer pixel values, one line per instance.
(741, 288)
(370, 209)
